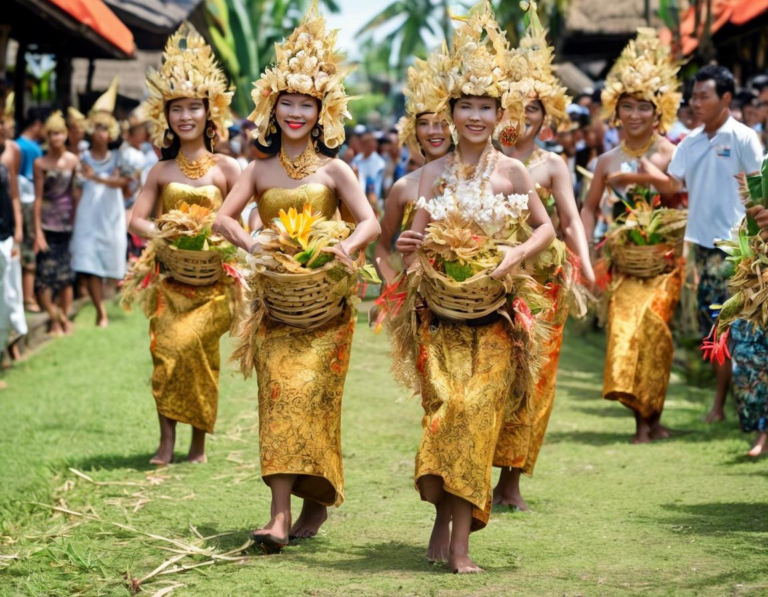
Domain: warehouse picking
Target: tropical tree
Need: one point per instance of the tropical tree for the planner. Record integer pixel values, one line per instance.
(407, 22)
(244, 32)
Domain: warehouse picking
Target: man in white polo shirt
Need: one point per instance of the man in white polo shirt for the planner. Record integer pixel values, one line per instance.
(707, 161)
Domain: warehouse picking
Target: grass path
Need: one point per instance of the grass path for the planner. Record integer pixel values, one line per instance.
(685, 517)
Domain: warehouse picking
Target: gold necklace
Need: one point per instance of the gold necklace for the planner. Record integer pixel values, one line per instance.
(537, 156)
(198, 168)
(305, 164)
(640, 151)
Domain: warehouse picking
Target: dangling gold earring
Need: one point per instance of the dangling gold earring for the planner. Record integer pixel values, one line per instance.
(210, 132)
(272, 124)
(546, 134)
(508, 136)
(315, 136)
(167, 138)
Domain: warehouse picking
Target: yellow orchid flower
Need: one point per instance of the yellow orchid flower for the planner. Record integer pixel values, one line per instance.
(298, 226)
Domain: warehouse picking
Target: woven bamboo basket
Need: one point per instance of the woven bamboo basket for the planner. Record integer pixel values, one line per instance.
(196, 268)
(305, 300)
(472, 299)
(646, 261)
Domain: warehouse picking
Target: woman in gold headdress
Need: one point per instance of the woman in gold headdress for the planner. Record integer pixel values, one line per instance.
(300, 107)
(467, 373)
(425, 133)
(545, 108)
(642, 93)
(188, 107)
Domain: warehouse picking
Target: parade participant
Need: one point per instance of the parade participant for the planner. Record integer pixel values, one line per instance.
(188, 107)
(641, 92)
(707, 161)
(77, 127)
(466, 372)
(545, 108)
(423, 132)
(300, 110)
(54, 177)
(99, 239)
(11, 302)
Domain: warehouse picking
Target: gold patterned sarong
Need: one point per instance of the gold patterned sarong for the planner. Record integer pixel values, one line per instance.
(640, 350)
(185, 332)
(186, 325)
(465, 374)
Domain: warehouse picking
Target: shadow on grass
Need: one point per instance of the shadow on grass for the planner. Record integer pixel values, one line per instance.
(723, 519)
(606, 438)
(110, 462)
(604, 411)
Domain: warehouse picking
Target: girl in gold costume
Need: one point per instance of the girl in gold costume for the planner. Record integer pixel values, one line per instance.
(423, 131)
(300, 109)
(188, 107)
(641, 91)
(466, 373)
(545, 106)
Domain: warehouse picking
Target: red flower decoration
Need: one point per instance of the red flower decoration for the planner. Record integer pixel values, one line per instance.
(524, 315)
(714, 348)
(233, 272)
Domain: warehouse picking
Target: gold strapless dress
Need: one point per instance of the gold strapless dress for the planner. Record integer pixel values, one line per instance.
(301, 375)
(185, 331)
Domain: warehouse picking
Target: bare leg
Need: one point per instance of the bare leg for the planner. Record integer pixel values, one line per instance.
(95, 286)
(507, 491)
(312, 517)
(431, 487)
(276, 532)
(461, 518)
(643, 430)
(658, 431)
(46, 302)
(760, 445)
(28, 290)
(65, 307)
(164, 454)
(724, 373)
(197, 447)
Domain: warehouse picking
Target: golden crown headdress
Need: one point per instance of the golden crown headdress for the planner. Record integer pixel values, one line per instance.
(540, 82)
(76, 118)
(422, 96)
(55, 123)
(102, 113)
(482, 64)
(189, 70)
(645, 70)
(307, 63)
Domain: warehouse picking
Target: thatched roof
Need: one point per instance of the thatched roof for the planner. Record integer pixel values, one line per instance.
(609, 17)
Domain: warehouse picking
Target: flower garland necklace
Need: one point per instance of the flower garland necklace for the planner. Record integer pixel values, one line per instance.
(467, 192)
(303, 165)
(197, 168)
(640, 151)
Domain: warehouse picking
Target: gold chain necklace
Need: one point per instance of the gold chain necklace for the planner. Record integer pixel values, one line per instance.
(537, 156)
(640, 151)
(198, 168)
(306, 163)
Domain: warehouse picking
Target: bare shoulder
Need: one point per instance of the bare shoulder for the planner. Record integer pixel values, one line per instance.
(511, 167)
(72, 158)
(336, 166)
(434, 169)
(228, 164)
(666, 147)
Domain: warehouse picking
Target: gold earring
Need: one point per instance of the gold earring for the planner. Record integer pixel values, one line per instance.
(167, 138)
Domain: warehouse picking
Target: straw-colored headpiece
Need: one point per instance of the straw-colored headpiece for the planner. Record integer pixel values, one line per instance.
(540, 82)
(55, 123)
(645, 70)
(102, 113)
(307, 63)
(189, 70)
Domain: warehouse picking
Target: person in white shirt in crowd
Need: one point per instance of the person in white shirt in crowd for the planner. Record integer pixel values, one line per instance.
(707, 161)
(370, 167)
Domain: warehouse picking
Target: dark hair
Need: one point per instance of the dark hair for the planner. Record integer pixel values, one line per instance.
(274, 140)
(454, 101)
(170, 153)
(722, 77)
(33, 115)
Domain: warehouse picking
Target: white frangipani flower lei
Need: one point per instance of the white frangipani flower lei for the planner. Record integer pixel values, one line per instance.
(472, 198)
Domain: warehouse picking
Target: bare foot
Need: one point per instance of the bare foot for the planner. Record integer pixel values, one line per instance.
(157, 461)
(463, 565)
(439, 548)
(32, 307)
(660, 432)
(760, 445)
(714, 416)
(67, 326)
(312, 517)
(102, 323)
(274, 534)
(164, 454)
(197, 458)
(642, 436)
(55, 330)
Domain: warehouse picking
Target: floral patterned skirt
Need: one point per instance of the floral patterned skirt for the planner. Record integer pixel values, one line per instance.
(301, 375)
(750, 375)
(465, 373)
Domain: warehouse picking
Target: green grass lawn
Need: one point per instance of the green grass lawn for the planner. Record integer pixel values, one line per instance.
(688, 516)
